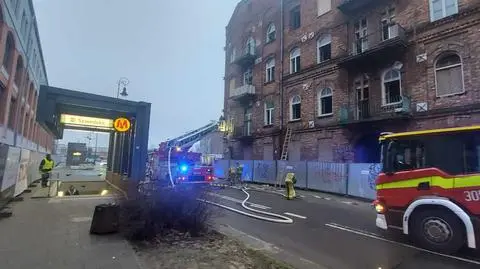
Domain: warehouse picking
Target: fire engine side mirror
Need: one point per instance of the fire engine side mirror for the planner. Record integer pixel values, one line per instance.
(388, 166)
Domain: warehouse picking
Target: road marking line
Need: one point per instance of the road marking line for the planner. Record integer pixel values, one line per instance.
(228, 198)
(295, 215)
(318, 197)
(378, 237)
(259, 206)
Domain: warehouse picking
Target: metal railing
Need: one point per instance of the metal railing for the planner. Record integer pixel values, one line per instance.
(386, 35)
(242, 91)
(369, 109)
(243, 131)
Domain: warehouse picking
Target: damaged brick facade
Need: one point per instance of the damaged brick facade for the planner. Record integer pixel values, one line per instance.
(396, 65)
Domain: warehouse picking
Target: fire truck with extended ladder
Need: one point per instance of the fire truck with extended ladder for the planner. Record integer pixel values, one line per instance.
(429, 187)
(173, 161)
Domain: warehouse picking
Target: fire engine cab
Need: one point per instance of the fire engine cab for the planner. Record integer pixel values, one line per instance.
(429, 187)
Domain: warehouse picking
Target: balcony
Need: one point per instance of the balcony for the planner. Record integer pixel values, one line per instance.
(243, 94)
(244, 133)
(246, 60)
(376, 48)
(368, 110)
(350, 7)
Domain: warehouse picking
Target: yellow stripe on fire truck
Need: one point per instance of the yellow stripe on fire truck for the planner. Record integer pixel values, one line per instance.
(435, 181)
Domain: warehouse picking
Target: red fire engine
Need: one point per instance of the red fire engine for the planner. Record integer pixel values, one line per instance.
(174, 157)
(429, 187)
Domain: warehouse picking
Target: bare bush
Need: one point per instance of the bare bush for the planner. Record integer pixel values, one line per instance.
(146, 217)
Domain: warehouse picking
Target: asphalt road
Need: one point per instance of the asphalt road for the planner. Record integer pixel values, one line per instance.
(332, 233)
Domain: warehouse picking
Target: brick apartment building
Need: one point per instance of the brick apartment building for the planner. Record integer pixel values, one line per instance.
(340, 72)
(21, 74)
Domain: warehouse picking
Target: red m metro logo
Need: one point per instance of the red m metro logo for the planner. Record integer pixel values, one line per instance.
(121, 125)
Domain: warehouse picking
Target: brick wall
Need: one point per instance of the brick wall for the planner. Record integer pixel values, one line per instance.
(330, 140)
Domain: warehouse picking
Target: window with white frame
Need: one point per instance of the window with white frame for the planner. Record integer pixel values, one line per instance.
(324, 48)
(389, 27)
(269, 108)
(248, 77)
(271, 33)
(233, 55)
(270, 70)
(295, 107)
(392, 87)
(295, 60)
(440, 9)
(449, 75)
(250, 46)
(325, 102)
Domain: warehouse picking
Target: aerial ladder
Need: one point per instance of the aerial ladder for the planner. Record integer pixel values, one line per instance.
(173, 149)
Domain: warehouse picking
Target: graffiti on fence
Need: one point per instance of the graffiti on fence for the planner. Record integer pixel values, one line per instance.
(374, 170)
(329, 175)
(263, 170)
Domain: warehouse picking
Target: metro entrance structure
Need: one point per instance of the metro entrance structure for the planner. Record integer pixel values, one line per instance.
(126, 121)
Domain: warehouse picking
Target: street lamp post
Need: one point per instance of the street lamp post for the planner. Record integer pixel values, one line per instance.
(123, 81)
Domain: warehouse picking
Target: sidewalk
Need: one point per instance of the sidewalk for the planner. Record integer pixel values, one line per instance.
(54, 234)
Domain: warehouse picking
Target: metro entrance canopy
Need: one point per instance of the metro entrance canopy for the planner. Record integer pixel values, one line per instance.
(100, 124)
(126, 121)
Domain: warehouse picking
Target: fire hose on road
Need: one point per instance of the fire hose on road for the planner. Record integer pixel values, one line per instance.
(278, 218)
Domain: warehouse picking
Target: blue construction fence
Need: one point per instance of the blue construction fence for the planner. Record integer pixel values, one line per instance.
(354, 179)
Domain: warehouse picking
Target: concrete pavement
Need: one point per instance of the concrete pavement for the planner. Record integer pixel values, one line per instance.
(332, 233)
(54, 233)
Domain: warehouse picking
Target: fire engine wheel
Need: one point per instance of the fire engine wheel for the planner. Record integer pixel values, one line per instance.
(438, 230)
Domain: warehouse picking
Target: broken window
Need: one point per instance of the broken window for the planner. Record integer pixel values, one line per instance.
(325, 102)
(295, 108)
(392, 87)
(324, 48)
(271, 33)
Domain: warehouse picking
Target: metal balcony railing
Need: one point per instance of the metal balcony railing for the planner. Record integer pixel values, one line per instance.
(242, 91)
(243, 131)
(388, 36)
(396, 106)
(247, 59)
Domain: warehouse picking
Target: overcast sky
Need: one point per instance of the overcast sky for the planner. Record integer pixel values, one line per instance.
(171, 51)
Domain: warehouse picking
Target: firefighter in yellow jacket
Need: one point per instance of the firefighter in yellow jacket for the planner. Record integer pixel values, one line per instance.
(45, 168)
(290, 181)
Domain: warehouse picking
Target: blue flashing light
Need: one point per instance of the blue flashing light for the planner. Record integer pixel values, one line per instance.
(183, 168)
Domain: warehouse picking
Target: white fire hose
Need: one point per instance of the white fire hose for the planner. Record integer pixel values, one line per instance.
(279, 218)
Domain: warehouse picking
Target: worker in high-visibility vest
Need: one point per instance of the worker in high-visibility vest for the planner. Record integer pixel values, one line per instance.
(239, 172)
(46, 166)
(290, 181)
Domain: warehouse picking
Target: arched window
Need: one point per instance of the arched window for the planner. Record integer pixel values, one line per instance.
(270, 70)
(9, 52)
(325, 104)
(449, 75)
(295, 60)
(250, 46)
(271, 33)
(324, 48)
(295, 107)
(19, 71)
(392, 87)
